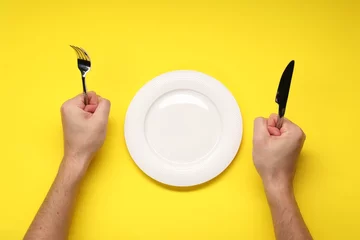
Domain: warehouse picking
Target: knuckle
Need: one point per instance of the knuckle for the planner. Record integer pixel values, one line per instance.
(258, 119)
(273, 115)
(303, 135)
(63, 107)
(299, 133)
(107, 101)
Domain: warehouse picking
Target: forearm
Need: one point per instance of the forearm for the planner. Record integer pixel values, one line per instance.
(53, 218)
(287, 219)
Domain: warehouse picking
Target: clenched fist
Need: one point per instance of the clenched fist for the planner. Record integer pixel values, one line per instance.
(275, 151)
(84, 128)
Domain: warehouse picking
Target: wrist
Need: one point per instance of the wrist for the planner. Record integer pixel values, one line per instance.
(277, 181)
(278, 191)
(73, 168)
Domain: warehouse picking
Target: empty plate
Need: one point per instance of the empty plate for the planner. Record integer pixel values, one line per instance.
(183, 128)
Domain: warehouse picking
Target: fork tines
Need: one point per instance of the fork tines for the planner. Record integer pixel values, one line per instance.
(81, 53)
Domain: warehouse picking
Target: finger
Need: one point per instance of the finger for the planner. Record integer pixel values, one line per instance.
(93, 102)
(92, 98)
(260, 129)
(273, 120)
(103, 108)
(274, 131)
(90, 108)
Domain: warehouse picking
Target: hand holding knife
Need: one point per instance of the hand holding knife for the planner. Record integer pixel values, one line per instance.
(283, 92)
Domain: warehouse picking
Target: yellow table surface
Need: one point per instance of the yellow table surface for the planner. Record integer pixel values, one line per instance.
(245, 45)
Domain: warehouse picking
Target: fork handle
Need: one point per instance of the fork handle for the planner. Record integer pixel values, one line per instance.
(86, 99)
(84, 90)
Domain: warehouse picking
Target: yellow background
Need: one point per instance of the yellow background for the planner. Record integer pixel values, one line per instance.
(245, 45)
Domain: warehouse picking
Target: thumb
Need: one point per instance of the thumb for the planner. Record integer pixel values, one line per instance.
(103, 108)
(261, 131)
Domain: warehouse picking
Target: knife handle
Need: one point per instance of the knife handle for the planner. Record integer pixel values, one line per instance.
(279, 122)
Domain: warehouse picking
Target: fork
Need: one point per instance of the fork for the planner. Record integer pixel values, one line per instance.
(84, 65)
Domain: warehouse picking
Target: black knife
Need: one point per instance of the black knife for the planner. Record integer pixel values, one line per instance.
(283, 91)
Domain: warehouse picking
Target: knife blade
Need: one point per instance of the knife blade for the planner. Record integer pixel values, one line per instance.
(283, 92)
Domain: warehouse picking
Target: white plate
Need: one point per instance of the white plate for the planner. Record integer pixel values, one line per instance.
(183, 128)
